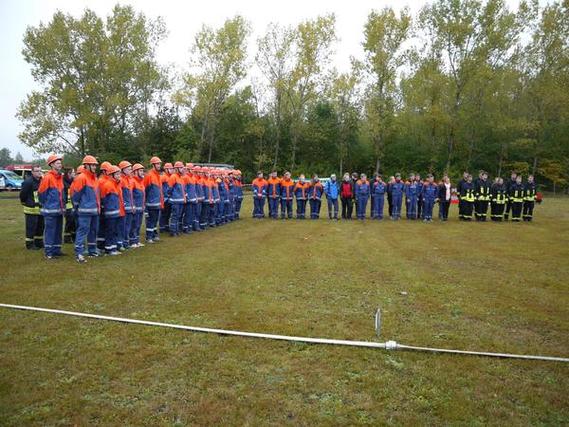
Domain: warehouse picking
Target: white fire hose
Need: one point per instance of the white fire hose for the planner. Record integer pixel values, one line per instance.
(389, 345)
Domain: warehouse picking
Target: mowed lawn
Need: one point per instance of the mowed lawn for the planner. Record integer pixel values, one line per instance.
(487, 287)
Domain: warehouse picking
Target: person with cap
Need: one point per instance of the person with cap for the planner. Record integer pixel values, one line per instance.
(315, 191)
(530, 196)
(154, 199)
(332, 191)
(30, 201)
(199, 181)
(215, 219)
(126, 185)
(191, 200)
(230, 179)
(482, 194)
(166, 210)
(301, 194)
(138, 200)
(362, 196)
(221, 197)
(499, 197)
(103, 176)
(347, 196)
(259, 187)
(238, 193)
(50, 195)
(461, 204)
(273, 192)
(176, 197)
(516, 194)
(207, 201)
(397, 190)
(430, 196)
(85, 197)
(420, 201)
(412, 195)
(445, 195)
(378, 189)
(286, 195)
(113, 208)
(70, 220)
(467, 198)
(510, 183)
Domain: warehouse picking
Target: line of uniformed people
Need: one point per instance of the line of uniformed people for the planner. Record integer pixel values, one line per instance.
(108, 210)
(418, 196)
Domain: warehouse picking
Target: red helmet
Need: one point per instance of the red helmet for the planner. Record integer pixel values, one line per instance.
(137, 166)
(105, 166)
(90, 160)
(124, 164)
(168, 166)
(178, 164)
(113, 169)
(154, 160)
(53, 158)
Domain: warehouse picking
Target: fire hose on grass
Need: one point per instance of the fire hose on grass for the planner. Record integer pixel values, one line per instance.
(388, 345)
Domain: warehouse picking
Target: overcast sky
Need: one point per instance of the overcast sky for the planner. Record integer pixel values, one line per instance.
(183, 19)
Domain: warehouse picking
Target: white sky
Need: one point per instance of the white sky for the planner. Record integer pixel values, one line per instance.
(183, 19)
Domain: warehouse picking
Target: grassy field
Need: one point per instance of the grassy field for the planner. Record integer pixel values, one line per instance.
(494, 287)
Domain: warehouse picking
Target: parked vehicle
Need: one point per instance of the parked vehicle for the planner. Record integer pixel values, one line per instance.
(12, 181)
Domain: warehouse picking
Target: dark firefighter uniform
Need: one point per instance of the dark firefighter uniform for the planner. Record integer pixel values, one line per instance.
(529, 201)
(467, 199)
(516, 198)
(70, 220)
(498, 203)
(34, 221)
(482, 194)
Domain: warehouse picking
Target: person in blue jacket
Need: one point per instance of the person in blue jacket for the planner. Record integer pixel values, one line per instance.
(429, 195)
(362, 195)
(332, 191)
(378, 189)
(412, 194)
(397, 190)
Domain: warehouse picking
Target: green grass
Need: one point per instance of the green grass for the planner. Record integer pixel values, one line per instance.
(494, 287)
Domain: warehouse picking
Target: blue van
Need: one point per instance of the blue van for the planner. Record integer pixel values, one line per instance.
(12, 181)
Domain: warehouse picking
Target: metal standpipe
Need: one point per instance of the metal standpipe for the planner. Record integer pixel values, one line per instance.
(389, 345)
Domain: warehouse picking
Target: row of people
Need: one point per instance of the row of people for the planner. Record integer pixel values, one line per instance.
(418, 196)
(109, 209)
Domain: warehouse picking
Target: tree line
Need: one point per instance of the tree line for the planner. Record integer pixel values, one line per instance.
(462, 84)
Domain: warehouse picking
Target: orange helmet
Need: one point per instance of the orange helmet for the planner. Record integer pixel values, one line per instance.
(105, 166)
(53, 158)
(178, 164)
(189, 165)
(168, 166)
(124, 164)
(80, 169)
(90, 160)
(137, 166)
(197, 168)
(154, 160)
(113, 169)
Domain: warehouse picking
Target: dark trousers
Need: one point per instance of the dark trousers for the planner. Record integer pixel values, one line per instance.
(53, 234)
(125, 223)
(152, 223)
(378, 208)
(189, 214)
(300, 208)
(332, 208)
(273, 207)
(204, 214)
(467, 208)
(197, 216)
(34, 231)
(315, 205)
(134, 234)
(361, 207)
(528, 210)
(101, 232)
(111, 234)
(70, 226)
(411, 207)
(481, 210)
(165, 217)
(87, 227)
(286, 208)
(516, 211)
(443, 209)
(420, 208)
(390, 204)
(372, 206)
(396, 202)
(347, 207)
(175, 217)
(428, 205)
(497, 211)
(258, 207)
